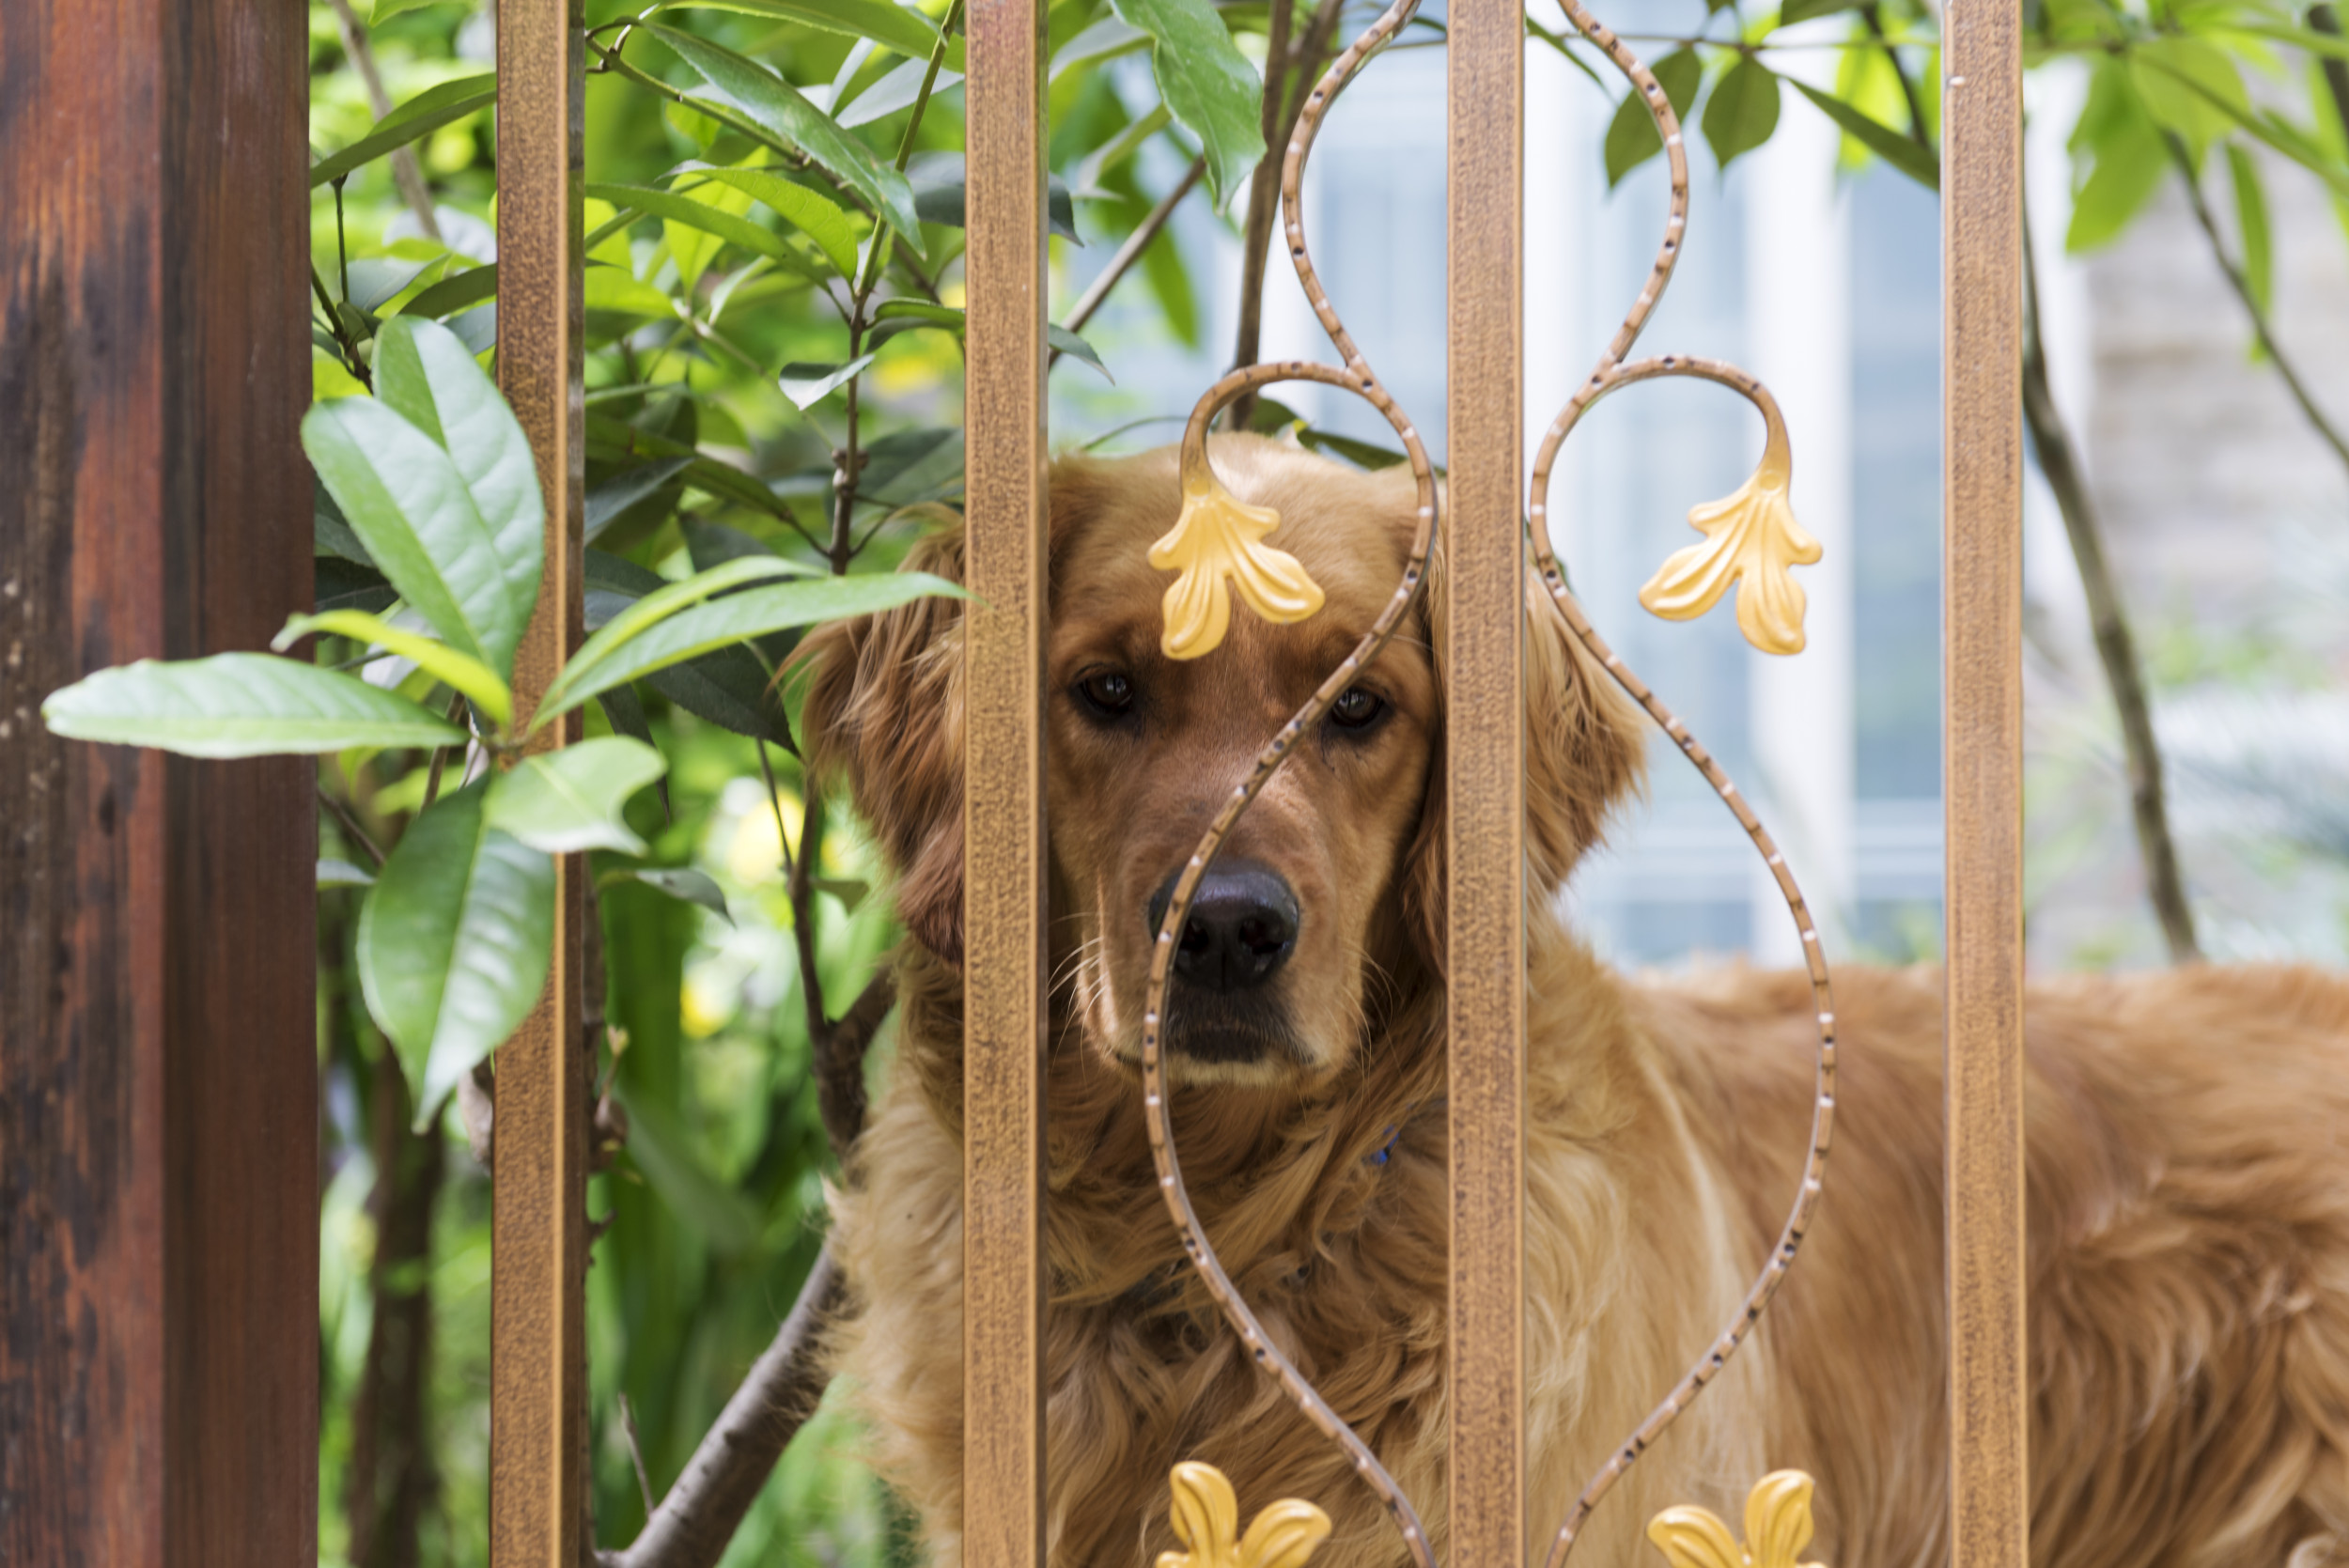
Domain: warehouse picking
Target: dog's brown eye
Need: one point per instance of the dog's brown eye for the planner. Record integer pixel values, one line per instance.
(1108, 693)
(1356, 709)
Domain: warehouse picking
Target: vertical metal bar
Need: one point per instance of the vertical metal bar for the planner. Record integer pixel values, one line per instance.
(157, 1030)
(1983, 748)
(537, 1394)
(1003, 967)
(1484, 585)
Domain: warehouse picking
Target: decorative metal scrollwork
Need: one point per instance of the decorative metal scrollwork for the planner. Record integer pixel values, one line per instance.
(1206, 1515)
(1778, 1528)
(1752, 540)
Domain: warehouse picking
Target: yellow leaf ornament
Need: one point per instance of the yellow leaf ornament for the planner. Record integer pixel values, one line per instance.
(1778, 1528)
(1216, 537)
(1753, 539)
(1206, 1515)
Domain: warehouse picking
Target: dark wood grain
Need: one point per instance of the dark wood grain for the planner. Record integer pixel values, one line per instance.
(158, 1096)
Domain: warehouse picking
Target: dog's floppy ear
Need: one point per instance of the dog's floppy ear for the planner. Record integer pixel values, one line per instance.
(884, 710)
(1585, 753)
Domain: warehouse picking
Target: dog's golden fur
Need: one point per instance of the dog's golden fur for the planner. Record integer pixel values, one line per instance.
(2189, 1178)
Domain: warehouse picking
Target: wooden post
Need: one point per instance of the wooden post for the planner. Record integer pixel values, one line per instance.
(538, 1235)
(1982, 772)
(1004, 1007)
(1484, 585)
(158, 1041)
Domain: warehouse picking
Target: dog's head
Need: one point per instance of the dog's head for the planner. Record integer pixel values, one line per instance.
(1332, 879)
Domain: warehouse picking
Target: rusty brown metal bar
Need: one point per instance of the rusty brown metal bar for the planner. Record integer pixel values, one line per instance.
(1484, 588)
(538, 1238)
(1982, 747)
(1004, 893)
(158, 1036)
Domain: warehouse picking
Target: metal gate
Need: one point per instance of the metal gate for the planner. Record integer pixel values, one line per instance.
(539, 1421)
(539, 1435)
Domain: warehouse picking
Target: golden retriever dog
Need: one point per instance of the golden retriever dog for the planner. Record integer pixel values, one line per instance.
(2188, 1131)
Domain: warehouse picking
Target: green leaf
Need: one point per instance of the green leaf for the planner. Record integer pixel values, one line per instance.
(679, 882)
(606, 502)
(571, 797)
(2251, 210)
(903, 316)
(659, 604)
(2124, 149)
(386, 10)
(1920, 163)
(908, 32)
(239, 704)
(343, 873)
(405, 498)
(736, 618)
(420, 116)
(730, 687)
(1803, 11)
(454, 943)
(939, 179)
(1631, 138)
(777, 106)
(1743, 111)
(425, 374)
(611, 440)
(812, 214)
(453, 294)
(2190, 86)
(1207, 84)
(809, 384)
(673, 206)
(437, 659)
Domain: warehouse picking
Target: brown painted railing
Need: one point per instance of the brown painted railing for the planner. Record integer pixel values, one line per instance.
(139, 1010)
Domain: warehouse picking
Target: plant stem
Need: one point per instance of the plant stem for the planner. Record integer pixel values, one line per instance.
(1130, 251)
(1287, 68)
(1872, 15)
(2108, 623)
(350, 825)
(2324, 19)
(351, 362)
(697, 1519)
(2242, 286)
(406, 171)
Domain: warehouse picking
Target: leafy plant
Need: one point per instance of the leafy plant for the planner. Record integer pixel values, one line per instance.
(434, 478)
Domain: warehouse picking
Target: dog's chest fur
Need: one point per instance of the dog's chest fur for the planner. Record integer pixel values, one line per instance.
(1341, 1253)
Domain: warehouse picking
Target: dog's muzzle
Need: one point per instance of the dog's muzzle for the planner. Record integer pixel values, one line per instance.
(1241, 927)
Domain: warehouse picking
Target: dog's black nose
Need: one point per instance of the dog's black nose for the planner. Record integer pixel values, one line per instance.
(1241, 928)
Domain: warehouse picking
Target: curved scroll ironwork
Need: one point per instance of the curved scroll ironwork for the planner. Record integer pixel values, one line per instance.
(1611, 374)
(1752, 550)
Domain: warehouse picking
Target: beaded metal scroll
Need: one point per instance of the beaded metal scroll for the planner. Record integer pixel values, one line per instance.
(1219, 547)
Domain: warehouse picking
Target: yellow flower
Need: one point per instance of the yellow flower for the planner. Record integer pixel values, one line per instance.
(1778, 1528)
(1751, 539)
(1219, 536)
(1206, 1520)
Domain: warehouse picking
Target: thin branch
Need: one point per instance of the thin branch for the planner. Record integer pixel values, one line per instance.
(1287, 68)
(1873, 17)
(351, 362)
(2059, 461)
(1130, 251)
(840, 1062)
(2242, 286)
(695, 1521)
(636, 1453)
(2324, 19)
(406, 171)
(350, 826)
(440, 754)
